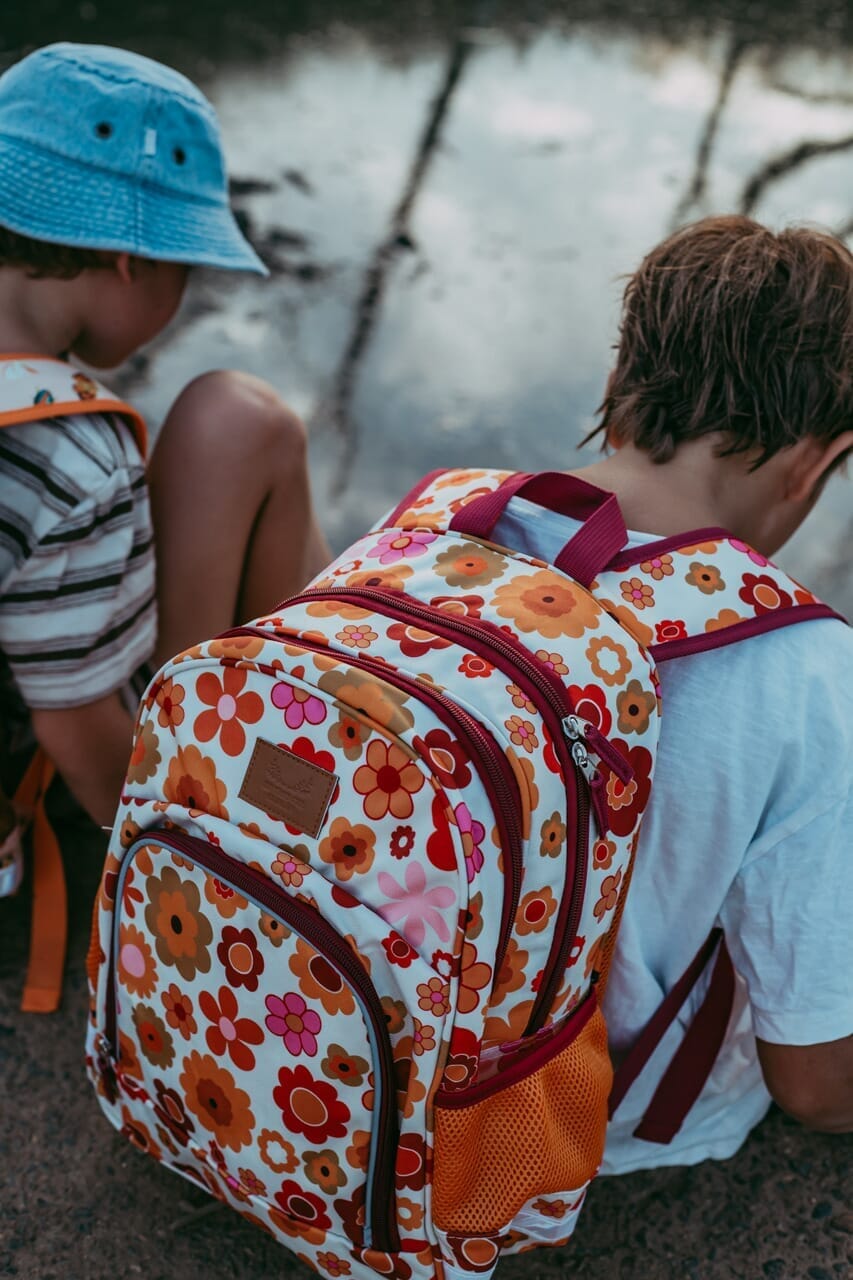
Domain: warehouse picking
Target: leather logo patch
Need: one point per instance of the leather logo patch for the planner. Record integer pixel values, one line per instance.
(287, 787)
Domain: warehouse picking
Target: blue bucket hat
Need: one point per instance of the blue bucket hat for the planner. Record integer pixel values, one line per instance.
(105, 149)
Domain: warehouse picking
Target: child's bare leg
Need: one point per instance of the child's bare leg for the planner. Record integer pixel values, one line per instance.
(231, 505)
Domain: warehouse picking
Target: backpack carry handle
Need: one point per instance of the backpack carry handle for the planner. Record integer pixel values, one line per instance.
(601, 536)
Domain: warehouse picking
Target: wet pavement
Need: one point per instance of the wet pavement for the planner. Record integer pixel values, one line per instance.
(446, 195)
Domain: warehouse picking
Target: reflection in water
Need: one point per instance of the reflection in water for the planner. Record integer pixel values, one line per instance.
(447, 228)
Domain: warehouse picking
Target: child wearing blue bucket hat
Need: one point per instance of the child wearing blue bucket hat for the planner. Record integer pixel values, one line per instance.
(112, 185)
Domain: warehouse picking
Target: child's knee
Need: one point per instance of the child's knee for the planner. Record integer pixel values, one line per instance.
(245, 413)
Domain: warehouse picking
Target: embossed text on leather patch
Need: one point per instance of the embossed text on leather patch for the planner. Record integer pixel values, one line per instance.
(287, 787)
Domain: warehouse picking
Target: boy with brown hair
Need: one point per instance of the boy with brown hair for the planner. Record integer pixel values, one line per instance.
(112, 185)
(730, 403)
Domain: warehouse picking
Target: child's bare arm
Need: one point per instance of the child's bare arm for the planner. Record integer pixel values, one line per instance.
(90, 746)
(812, 1082)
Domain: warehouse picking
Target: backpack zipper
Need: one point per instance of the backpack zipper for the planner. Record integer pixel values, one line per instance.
(498, 779)
(555, 707)
(310, 925)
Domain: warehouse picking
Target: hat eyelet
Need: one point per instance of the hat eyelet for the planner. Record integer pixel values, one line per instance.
(179, 155)
(104, 129)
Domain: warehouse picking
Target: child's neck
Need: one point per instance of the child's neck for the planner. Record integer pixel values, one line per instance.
(37, 317)
(696, 489)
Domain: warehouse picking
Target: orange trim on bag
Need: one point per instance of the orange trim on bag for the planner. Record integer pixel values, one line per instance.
(59, 409)
(49, 927)
(541, 1134)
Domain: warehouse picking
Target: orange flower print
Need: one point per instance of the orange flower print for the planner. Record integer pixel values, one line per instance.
(226, 900)
(333, 1265)
(357, 636)
(658, 567)
(534, 911)
(552, 836)
(344, 1067)
(363, 692)
(168, 698)
(291, 866)
(510, 976)
(548, 605)
(179, 1011)
(638, 593)
(520, 698)
(602, 853)
(154, 1040)
(609, 895)
(474, 977)
(635, 706)
(212, 1095)
(193, 783)
(434, 997)
(271, 927)
(349, 848)
(136, 968)
(393, 577)
(725, 618)
(229, 1033)
(424, 1038)
(349, 733)
(318, 979)
(629, 619)
(145, 756)
(553, 661)
(525, 777)
(240, 647)
(522, 733)
(173, 915)
(500, 1030)
(387, 781)
(228, 707)
(706, 577)
(468, 564)
(276, 1152)
(609, 660)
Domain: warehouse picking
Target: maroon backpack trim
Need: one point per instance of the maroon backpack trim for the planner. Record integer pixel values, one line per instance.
(682, 648)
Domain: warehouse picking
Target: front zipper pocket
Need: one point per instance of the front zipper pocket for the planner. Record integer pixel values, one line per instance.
(244, 1032)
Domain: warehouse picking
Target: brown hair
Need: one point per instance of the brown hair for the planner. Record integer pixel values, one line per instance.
(728, 327)
(42, 260)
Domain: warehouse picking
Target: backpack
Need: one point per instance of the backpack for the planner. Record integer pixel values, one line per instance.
(36, 388)
(363, 890)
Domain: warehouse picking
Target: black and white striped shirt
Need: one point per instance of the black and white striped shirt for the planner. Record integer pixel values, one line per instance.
(78, 614)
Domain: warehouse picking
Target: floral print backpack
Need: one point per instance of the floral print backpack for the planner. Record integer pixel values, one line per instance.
(363, 890)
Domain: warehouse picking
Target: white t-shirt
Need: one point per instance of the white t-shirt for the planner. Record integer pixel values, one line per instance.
(750, 825)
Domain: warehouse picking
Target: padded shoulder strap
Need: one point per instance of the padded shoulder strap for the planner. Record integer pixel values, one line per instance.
(33, 388)
(700, 591)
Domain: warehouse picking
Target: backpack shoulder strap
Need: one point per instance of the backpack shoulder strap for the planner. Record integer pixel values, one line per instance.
(699, 591)
(33, 388)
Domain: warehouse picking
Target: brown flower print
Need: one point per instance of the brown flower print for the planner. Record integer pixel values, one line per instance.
(552, 836)
(634, 707)
(468, 564)
(181, 931)
(706, 577)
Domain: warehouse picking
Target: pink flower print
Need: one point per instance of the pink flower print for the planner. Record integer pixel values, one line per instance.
(290, 1018)
(299, 706)
(472, 833)
(401, 544)
(755, 556)
(414, 904)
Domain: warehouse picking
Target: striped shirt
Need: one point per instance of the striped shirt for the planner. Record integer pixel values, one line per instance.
(78, 614)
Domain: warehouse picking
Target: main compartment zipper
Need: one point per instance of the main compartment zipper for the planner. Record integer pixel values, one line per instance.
(381, 1226)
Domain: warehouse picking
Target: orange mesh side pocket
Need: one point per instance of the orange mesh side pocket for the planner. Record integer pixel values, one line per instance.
(536, 1128)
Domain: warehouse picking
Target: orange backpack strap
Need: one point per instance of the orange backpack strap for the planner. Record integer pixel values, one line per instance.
(33, 388)
(43, 986)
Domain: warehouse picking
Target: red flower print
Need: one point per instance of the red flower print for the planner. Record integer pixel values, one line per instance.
(402, 842)
(464, 1059)
(414, 642)
(308, 1106)
(228, 707)
(445, 757)
(168, 698)
(238, 952)
(461, 606)
(387, 781)
(763, 593)
(626, 801)
(670, 630)
(410, 1171)
(179, 1011)
(440, 850)
(229, 1033)
(302, 1205)
(170, 1111)
(398, 951)
(590, 703)
(472, 666)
